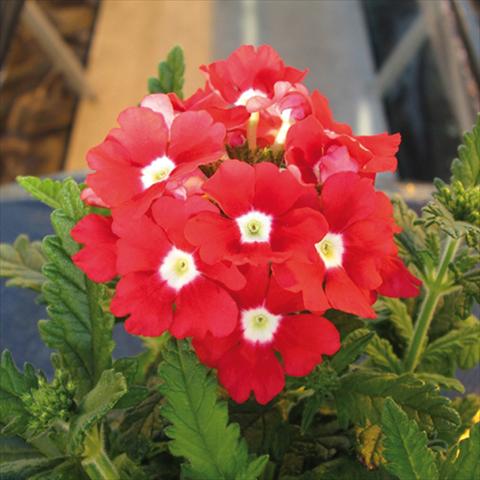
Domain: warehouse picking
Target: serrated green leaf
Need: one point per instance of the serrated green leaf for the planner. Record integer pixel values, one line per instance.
(411, 240)
(348, 468)
(22, 263)
(70, 469)
(170, 74)
(200, 431)
(95, 405)
(79, 328)
(14, 448)
(363, 392)
(466, 168)
(382, 357)
(469, 356)
(450, 346)
(27, 468)
(442, 381)
(467, 407)
(405, 446)
(397, 314)
(14, 418)
(464, 462)
(369, 445)
(352, 347)
(46, 190)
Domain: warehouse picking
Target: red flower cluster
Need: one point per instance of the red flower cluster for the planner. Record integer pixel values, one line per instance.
(247, 259)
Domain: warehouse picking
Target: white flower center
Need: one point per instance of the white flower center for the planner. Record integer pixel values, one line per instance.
(331, 249)
(254, 227)
(259, 325)
(247, 95)
(157, 171)
(178, 268)
(287, 122)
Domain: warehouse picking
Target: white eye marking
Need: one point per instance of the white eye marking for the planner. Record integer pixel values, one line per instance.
(259, 325)
(157, 171)
(243, 99)
(330, 249)
(178, 268)
(254, 227)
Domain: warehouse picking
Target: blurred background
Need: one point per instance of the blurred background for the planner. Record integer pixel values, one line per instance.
(68, 67)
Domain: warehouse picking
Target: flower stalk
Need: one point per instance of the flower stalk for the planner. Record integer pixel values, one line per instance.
(96, 463)
(436, 287)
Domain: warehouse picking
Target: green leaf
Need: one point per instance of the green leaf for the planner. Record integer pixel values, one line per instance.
(442, 381)
(411, 240)
(450, 346)
(469, 356)
(14, 418)
(46, 190)
(405, 446)
(352, 347)
(466, 168)
(396, 312)
(27, 468)
(79, 328)
(200, 431)
(170, 74)
(22, 263)
(382, 356)
(95, 405)
(464, 461)
(467, 407)
(363, 392)
(14, 448)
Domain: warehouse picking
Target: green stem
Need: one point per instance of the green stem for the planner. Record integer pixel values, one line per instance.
(435, 289)
(96, 463)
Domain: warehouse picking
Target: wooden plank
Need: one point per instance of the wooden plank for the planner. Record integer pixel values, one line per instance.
(130, 38)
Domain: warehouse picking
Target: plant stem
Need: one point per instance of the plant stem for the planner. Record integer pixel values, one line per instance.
(435, 289)
(97, 464)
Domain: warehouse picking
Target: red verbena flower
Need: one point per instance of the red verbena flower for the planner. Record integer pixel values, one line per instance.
(263, 213)
(248, 76)
(345, 255)
(269, 323)
(149, 148)
(164, 283)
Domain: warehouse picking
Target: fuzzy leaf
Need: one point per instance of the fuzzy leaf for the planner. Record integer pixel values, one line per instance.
(200, 431)
(46, 190)
(466, 168)
(369, 445)
(26, 468)
(95, 405)
(464, 461)
(22, 263)
(79, 328)
(352, 347)
(405, 446)
(450, 346)
(469, 356)
(170, 74)
(14, 448)
(445, 382)
(467, 407)
(396, 312)
(362, 395)
(382, 356)
(14, 418)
